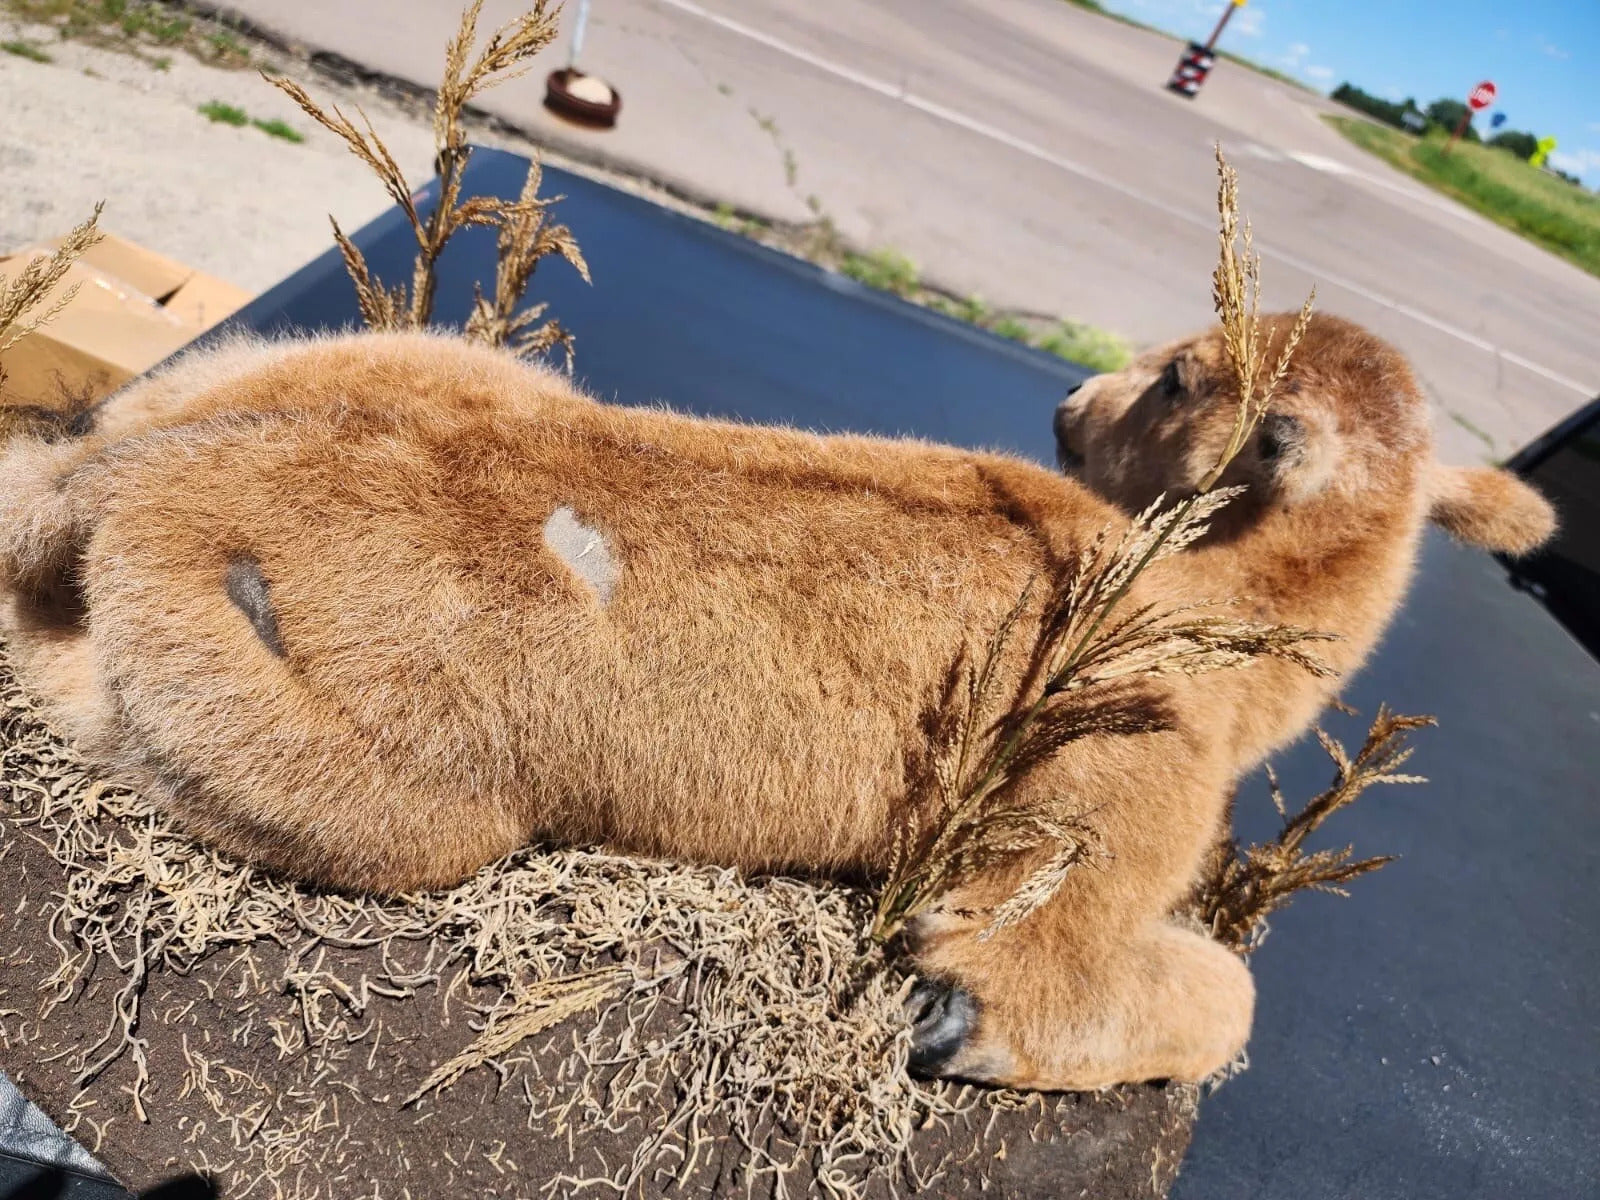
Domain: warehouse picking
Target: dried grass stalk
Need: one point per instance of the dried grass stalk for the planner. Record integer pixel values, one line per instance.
(525, 233)
(1244, 887)
(1089, 666)
(20, 298)
(23, 292)
(1081, 676)
(525, 237)
(547, 1003)
(1236, 295)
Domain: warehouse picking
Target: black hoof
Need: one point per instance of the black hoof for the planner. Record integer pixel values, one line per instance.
(942, 1015)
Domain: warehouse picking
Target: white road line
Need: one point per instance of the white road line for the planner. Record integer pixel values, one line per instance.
(1433, 200)
(1021, 145)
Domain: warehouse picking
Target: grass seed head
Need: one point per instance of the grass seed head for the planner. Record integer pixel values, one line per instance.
(1091, 664)
(1244, 886)
(526, 235)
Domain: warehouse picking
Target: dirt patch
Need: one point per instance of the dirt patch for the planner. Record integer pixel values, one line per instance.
(694, 1032)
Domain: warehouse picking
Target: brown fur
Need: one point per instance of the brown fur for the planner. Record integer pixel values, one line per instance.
(1488, 507)
(301, 595)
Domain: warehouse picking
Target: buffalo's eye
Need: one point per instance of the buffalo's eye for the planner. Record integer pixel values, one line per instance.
(1171, 380)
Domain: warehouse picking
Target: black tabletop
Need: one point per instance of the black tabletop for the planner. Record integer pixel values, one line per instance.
(685, 314)
(1435, 1034)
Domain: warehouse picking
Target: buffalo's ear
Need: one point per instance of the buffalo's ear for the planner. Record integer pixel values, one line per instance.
(1299, 454)
(1489, 507)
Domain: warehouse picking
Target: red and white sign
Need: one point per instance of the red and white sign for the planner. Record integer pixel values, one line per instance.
(1481, 96)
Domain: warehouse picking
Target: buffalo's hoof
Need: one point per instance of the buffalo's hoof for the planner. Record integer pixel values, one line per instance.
(942, 1016)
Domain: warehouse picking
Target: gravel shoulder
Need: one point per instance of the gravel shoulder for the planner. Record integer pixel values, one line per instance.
(234, 202)
(99, 124)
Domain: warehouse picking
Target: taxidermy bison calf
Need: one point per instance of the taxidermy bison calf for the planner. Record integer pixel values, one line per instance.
(375, 610)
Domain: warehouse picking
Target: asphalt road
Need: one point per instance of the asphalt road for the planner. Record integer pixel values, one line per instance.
(1023, 150)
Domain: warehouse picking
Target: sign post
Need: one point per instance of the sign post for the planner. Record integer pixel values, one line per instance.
(1227, 13)
(1477, 100)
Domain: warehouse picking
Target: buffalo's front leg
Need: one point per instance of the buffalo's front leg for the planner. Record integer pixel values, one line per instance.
(1059, 1003)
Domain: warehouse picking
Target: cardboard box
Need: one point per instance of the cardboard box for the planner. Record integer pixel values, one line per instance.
(133, 308)
(203, 300)
(143, 270)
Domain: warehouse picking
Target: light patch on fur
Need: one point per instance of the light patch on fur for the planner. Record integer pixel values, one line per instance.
(584, 549)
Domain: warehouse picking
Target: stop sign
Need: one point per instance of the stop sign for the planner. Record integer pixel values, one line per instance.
(1482, 96)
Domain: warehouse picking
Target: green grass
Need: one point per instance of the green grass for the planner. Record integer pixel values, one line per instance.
(279, 129)
(971, 309)
(890, 271)
(1549, 212)
(26, 50)
(886, 270)
(1096, 348)
(1010, 327)
(225, 45)
(228, 114)
(225, 114)
(135, 27)
(161, 27)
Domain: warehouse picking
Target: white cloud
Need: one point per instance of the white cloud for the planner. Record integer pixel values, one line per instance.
(1296, 54)
(1197, 17)
(1247, 22)
(1577, 162)
(1320, 74)
(1553, 50)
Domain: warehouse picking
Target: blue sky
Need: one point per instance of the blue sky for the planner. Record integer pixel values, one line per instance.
(1542, 54)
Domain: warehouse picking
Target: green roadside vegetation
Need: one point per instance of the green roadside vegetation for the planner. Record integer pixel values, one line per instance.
(890, 271)
(1550, 212)
(26, 50)
(141, 28)
(228, 114)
